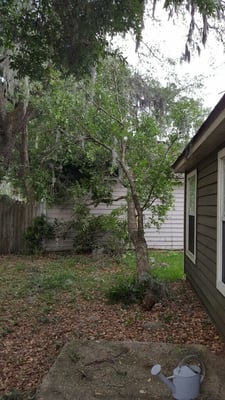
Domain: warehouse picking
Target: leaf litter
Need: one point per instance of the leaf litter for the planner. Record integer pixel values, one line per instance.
(32, 335)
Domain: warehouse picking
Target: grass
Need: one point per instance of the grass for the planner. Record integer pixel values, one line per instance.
(34, 286)
(165, 265)
(45, 279)
(39, 283)
(32, 289)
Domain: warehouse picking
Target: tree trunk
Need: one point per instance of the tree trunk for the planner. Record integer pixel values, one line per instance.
(136, 232)
(24, 164)
(154, 290)
(12, 123)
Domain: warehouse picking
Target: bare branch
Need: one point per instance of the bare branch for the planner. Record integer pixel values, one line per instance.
(107, 200)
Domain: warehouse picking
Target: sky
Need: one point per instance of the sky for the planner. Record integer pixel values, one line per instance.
(169, 38)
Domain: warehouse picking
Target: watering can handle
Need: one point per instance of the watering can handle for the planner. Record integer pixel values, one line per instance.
(194, 357)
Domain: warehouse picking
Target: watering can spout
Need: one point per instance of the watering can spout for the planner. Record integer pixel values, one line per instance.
(156, 370)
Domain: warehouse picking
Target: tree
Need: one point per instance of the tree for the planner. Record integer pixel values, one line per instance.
(115, 125)
(57, 157)
(39, 36)
(141, 133)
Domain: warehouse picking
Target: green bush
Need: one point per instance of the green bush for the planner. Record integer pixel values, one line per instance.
(14, 395)
(105, 234)
(36, 233)
(126, 291)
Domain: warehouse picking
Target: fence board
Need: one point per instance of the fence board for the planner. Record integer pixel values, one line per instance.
(15, 217)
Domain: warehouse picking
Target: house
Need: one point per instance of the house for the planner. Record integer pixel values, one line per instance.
(168, 237)
(203, 162)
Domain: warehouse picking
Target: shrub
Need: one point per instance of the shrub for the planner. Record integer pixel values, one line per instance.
(36, 233)
(14, 395)
(126, 291)
(105, 234)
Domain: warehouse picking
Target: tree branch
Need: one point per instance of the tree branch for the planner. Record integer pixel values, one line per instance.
(3, 114)
(107, 199)
(114, 75)
(99, 107)
(158, 174)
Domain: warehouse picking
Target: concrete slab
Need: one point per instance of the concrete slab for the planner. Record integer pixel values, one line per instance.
(90, 370)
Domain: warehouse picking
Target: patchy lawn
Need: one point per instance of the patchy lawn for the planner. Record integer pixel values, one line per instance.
(44, 301)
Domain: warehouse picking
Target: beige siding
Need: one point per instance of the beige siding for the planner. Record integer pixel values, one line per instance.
(170, 234)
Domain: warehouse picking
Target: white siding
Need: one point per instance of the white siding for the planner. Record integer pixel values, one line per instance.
(61, 213)
(169, 236)
(103, 209)
(171, 232)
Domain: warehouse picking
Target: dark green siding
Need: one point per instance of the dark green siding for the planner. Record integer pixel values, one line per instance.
(202, 275)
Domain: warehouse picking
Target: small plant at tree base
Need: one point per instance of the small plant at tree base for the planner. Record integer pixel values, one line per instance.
(14, 395)
(5, 331)
(167, 318)
(126, 291)
(36, 233)
(18, 395)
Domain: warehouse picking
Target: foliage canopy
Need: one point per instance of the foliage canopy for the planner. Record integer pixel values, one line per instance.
(74, 119)
(39, 35)
(44, 34)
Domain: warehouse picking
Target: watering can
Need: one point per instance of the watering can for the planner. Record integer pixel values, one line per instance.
(186, 379)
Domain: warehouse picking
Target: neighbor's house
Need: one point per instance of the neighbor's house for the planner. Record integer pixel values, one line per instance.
(203, 162)
(168, 237)
(16, 216)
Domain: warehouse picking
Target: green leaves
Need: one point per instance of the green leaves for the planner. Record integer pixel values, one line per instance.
(42, 34)
(205, 7)
(71, 38)
(95, 131)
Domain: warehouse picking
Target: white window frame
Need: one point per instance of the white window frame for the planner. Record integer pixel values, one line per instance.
(191, 256)
(220, 218)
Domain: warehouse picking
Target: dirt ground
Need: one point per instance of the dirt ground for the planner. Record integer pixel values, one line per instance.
(90, 370)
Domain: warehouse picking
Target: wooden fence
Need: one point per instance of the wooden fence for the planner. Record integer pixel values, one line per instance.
(15, 217)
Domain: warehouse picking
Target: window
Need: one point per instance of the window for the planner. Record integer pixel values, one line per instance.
(221, 223)
(191, 215)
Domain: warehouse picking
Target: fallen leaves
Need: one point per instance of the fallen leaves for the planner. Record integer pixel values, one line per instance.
(31, 344)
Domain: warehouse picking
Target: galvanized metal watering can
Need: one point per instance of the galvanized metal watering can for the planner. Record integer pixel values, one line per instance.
(186, 379)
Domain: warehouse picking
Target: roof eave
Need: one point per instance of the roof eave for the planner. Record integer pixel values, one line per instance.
(210, 128)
